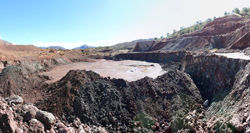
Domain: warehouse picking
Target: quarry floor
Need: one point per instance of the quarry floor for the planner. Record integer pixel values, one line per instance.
(128, 69)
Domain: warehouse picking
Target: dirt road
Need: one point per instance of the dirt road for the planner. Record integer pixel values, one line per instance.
(235, 55)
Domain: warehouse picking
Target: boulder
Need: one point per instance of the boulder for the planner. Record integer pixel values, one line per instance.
(237, 122)
(30, 112)
(45, 117)
(60, 125)
(206, 103)
(14, 99)
(77, 123)
(201, 116)
(36, 126)
(247, 131)
(7, 123)
(66, 130)
(248, 119)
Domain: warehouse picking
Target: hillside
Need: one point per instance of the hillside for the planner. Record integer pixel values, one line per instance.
(230, 32)
(128, 45)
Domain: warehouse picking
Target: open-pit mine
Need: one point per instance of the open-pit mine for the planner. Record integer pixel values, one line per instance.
(197, 82)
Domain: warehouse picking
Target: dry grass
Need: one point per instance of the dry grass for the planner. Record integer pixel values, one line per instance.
(62, 53)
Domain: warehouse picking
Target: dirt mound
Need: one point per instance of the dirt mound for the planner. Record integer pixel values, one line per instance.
(21, 78)
(124, 106)
(17, 80)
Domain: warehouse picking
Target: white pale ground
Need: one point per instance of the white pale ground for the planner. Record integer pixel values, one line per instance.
(128, 69)
(234, 55)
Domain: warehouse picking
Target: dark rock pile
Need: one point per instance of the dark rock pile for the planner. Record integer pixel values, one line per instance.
(17, 117)
(145, 105)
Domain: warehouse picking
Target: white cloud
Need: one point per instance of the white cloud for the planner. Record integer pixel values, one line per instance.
(73, 44)
(28, 34)
(102, 43)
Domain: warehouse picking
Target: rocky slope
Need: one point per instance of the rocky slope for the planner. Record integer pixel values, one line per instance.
(145, 105)
(17, 117)
(222, 82)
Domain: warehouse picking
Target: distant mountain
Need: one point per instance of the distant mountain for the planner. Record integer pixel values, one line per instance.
(3, 42)
(58, 47)
(55, 47)
(84, 46)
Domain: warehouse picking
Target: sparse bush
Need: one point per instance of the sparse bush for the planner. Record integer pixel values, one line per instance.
(229, 125)
(62, 53)
(236, 10)
(144, 121)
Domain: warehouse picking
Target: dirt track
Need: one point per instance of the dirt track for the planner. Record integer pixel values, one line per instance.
(234, 55)
(128, 69)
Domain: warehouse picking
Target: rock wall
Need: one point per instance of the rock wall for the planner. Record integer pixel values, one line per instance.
(157, 57)
(212, 73)
(225, 83)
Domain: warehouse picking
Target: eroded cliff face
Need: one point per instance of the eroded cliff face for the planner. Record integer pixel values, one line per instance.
(212, 73)
(232, 107)
(143, 46)
(227, 32)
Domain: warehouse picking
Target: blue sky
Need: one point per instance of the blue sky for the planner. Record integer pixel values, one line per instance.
(71, 23)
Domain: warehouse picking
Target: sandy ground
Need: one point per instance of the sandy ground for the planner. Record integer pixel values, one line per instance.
(235, 55)
(128, 69)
